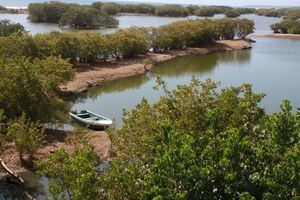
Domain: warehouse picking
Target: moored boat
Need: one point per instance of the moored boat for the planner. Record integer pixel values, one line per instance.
(90, 119)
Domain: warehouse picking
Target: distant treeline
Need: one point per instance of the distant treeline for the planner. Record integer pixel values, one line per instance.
(73, 15)
(91, 47)
(53, 11)
(58, 8)
(286, 13)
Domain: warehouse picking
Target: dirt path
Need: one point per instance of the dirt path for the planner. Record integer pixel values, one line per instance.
(91, 75)
(277, 35)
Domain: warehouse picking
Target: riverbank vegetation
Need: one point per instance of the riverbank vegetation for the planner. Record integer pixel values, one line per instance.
(52, 12)
(286, 13)
(91, 47)
(197, 142)
(7, 28)
(210, 11)
(286, 26)
(72, 15)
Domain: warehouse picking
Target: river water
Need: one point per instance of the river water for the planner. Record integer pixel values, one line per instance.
(272, 66)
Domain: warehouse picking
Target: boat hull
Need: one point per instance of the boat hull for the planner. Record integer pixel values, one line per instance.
(90, 126)
(100, 124)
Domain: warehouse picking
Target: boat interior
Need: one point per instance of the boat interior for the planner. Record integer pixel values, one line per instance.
(86, 115)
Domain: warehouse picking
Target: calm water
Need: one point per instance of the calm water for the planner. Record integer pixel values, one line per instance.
(272, 66)
(124, 22)
(262, 23)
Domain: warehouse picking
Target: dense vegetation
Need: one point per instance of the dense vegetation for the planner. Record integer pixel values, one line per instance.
(196, 142)
(286, 26)
(73, 176)
(209, 11)
(93, 47)
(29, 98)
(7, 28)
(28, 87)
(73, 15)
(290, 14)
(172, 11)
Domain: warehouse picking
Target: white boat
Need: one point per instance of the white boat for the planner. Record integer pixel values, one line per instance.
(90, 119)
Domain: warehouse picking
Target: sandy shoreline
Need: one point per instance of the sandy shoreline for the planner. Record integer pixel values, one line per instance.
(91, 75)
(278, 35)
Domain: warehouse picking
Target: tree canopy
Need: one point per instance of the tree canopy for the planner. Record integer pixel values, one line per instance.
(87, 18)
(7, 28)
(172, 11)
(232, 13)
(28, 87)
(200, 142)
(124, 43)
(73, 15)
(286, 26)
(72, 175)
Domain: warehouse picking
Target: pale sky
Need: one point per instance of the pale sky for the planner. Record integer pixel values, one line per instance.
(229, 2)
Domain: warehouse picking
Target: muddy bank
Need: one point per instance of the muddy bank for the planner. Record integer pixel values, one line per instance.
(57, 139)
(91, 75)
(273, 35)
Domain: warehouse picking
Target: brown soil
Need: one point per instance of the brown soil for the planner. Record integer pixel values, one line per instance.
(273, 35)
(54, 140)
(91, 75)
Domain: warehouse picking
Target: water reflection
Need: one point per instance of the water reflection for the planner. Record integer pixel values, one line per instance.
(200, 64)
(121, 85)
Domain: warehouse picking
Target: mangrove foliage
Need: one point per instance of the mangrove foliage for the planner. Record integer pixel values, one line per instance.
(91, 47)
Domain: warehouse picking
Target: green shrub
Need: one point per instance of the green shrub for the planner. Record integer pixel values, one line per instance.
(110, 8)
(171, 11)
(232, 13)
(28, 88)
(7, 28)
(128, 43)
(285, 26)
(194, 144)
(87, 18)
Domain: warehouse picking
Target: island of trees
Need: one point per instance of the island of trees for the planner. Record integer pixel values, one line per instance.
(287, 26)
(197, 142)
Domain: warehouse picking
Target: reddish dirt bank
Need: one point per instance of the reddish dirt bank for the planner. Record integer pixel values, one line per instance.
(91, 75)
(273, 35)
(56, 139)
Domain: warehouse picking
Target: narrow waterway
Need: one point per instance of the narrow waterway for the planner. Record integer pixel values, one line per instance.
(271, 66)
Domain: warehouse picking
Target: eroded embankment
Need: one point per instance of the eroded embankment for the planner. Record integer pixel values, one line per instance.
(90, 75)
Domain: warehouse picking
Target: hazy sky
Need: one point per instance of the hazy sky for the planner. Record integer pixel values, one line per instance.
(229, 2)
